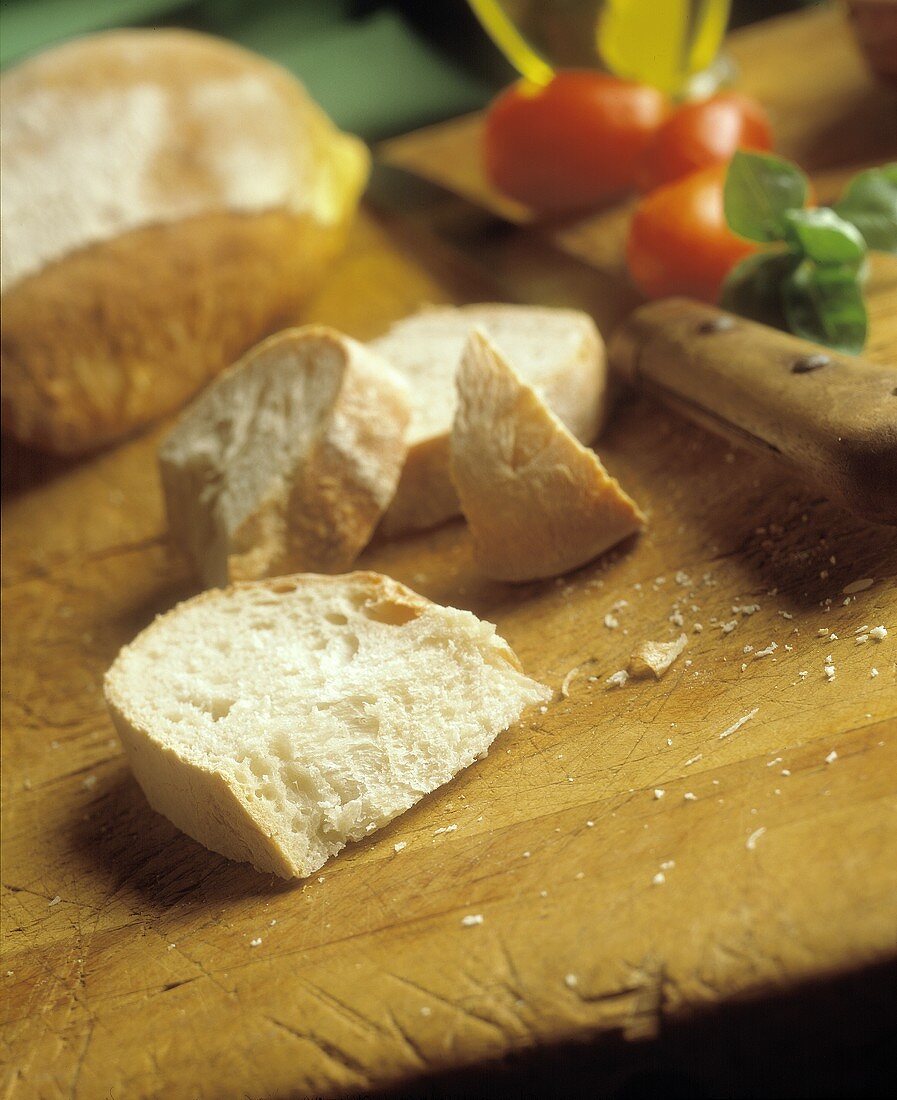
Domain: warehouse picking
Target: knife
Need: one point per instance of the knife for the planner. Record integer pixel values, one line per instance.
(831, 417)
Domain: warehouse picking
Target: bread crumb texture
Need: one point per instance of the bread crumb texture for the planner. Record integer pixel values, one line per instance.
(276, 721)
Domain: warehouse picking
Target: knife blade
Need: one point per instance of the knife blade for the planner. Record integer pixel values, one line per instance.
(832, 418)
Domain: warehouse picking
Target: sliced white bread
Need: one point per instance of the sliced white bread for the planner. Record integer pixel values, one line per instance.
(558, 351)
(278, 720)
(537, 501)
(287, 462)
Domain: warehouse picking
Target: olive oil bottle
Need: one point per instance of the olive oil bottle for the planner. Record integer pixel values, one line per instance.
(672, 44)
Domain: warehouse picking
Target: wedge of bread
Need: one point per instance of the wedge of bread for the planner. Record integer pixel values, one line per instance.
(276, 721)
(288, 460)
(538, 502)
(558, 351)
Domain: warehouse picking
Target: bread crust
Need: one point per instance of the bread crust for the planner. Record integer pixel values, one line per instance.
(426, 495)
(110, 339)
(331, 515)
(199, 801)
(538, 502)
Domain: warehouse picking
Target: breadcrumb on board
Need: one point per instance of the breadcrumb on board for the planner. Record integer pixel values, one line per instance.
(656, 658)
(568, 680)
(736, 726)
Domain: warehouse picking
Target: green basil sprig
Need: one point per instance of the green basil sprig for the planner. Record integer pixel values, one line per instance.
(809, 279)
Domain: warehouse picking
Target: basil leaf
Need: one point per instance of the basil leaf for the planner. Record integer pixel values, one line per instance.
(826, 238)
(759, 189)
(753, 287)
(824, 302)
(870, 203)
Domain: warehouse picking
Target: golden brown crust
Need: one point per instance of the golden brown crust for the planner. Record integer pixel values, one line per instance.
(537, 501)
(425, 495)
(331, 514)
(118, 334)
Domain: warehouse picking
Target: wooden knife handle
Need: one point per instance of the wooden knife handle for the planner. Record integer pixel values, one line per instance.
(833, 417)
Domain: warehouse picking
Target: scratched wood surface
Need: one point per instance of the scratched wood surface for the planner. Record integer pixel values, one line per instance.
(137, 964)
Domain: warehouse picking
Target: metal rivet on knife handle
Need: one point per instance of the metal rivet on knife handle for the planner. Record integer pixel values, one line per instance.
(722, 323)
(808, 363)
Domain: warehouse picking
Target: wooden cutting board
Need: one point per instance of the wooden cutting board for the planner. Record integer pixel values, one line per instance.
(638, 855)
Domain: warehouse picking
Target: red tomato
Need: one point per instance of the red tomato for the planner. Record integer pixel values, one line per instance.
(700, 134)
(572, 143)
(679, 242)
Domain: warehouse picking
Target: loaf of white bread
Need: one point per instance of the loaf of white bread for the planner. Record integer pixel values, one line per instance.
(288, 460)
(276, 721)
(557, 351)
(166, 200)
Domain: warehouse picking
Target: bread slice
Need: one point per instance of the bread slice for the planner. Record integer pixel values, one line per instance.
(288, 460)
(537, 501)
(558, 351)
(276, 721)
